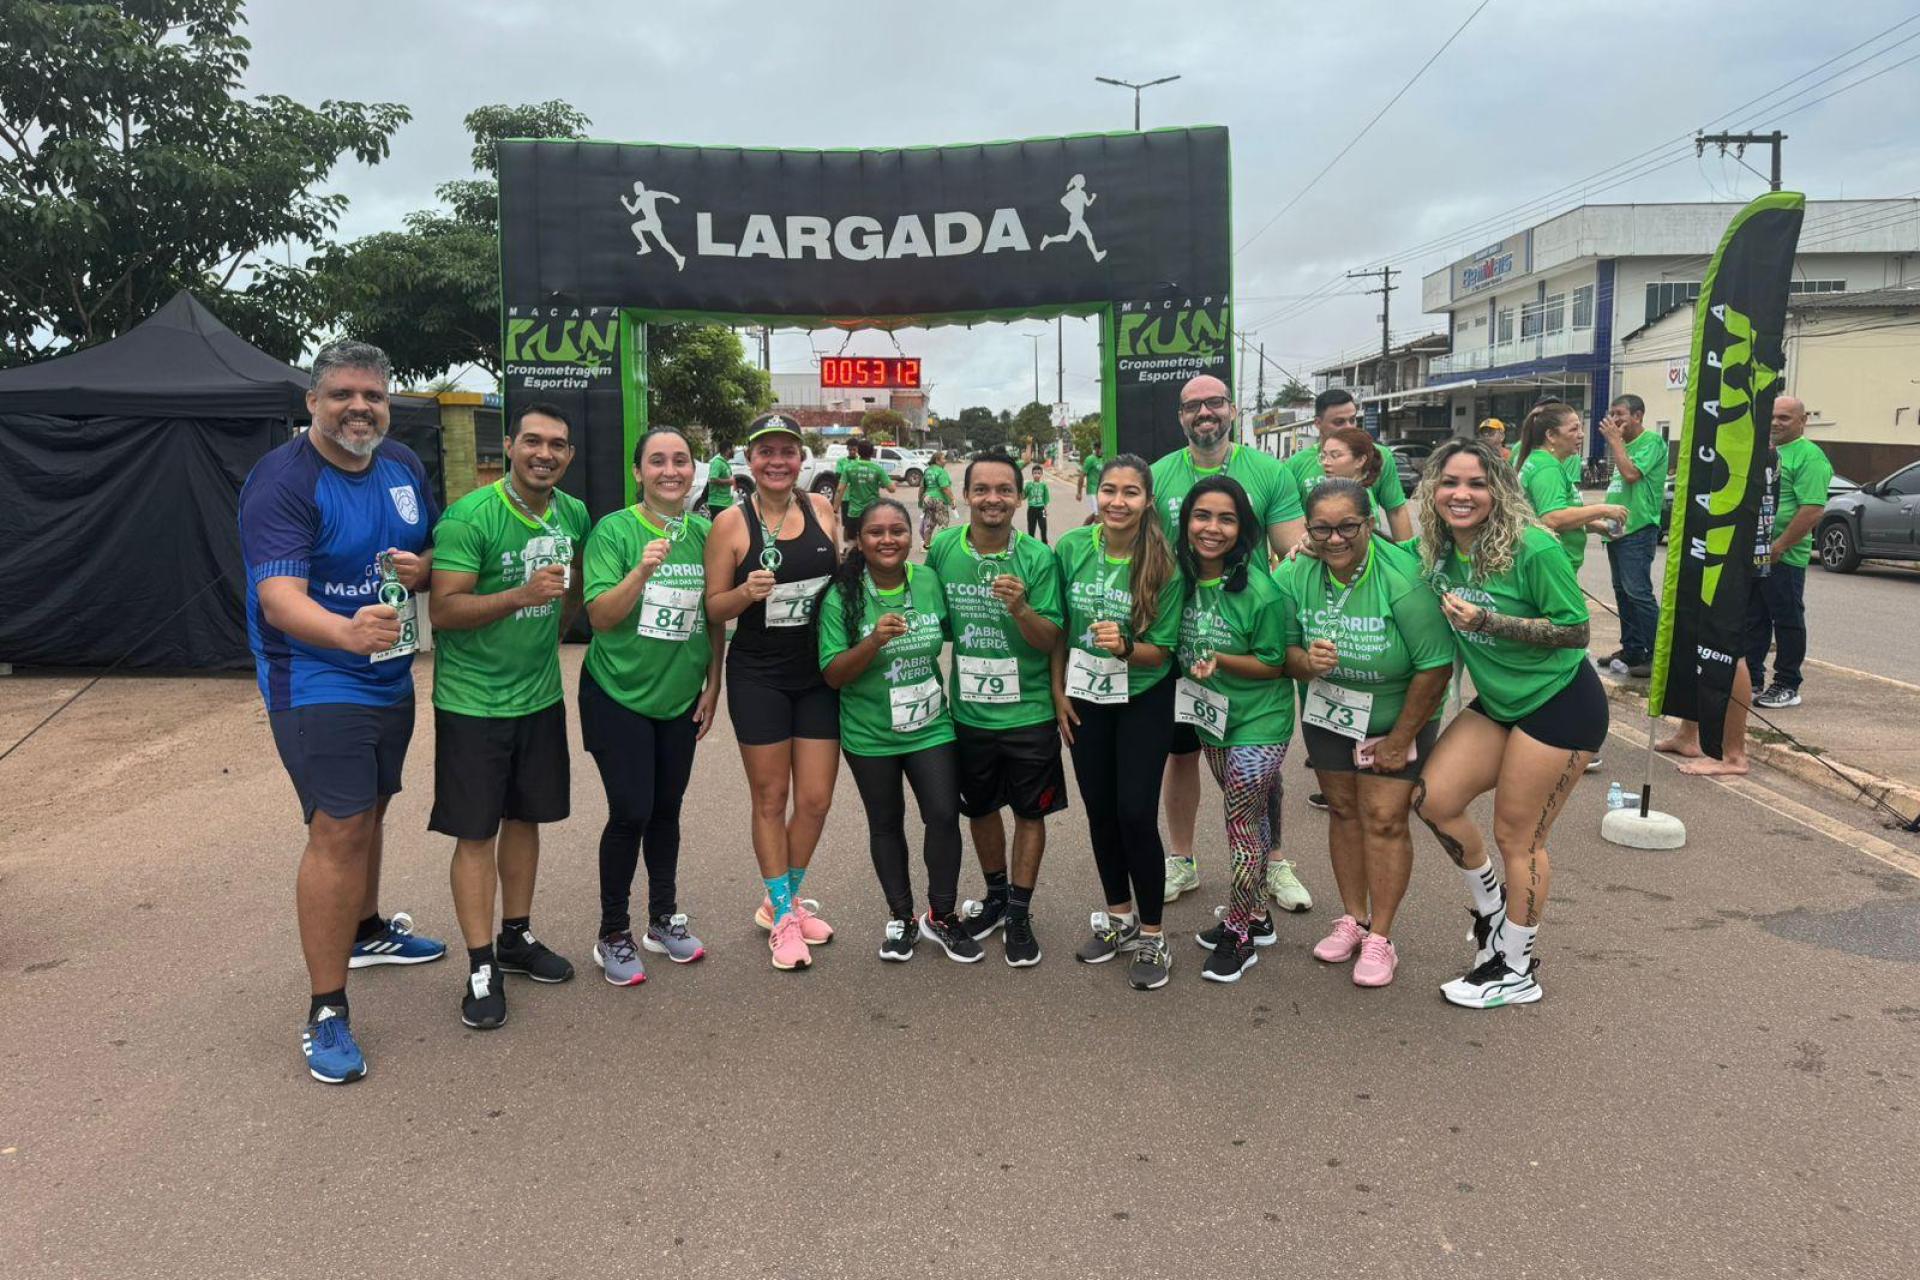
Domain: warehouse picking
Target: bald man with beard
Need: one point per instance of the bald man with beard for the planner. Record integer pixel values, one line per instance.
(1777, 603)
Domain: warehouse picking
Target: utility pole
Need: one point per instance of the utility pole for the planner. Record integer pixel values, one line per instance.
(1739, 142)
(1387, 286)
(1260, 395)
(766, 348)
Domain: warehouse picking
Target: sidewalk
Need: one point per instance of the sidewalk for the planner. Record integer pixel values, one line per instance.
(1866, 726)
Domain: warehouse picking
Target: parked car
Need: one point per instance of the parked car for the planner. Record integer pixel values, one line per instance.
(1410, 458)
(1880, 520)
(1837, 487)
(903, 466)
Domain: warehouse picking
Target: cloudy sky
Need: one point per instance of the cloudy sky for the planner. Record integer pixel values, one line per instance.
(1532, 99)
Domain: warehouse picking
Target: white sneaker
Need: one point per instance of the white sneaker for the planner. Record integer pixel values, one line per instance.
(1183, 876)
(1285, 888)
(1492, 985)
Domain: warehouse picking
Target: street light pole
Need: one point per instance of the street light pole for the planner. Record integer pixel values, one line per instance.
(1128, 84)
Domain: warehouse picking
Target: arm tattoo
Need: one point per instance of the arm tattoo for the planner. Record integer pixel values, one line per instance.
(1540, 631)
(1453, 848)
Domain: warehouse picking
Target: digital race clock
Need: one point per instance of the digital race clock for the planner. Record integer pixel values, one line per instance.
(870, 371)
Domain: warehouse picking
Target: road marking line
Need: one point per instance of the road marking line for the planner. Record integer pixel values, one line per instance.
(1873, 846)
(1865, 675)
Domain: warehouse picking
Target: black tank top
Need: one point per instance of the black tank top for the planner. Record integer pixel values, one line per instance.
(784, 655)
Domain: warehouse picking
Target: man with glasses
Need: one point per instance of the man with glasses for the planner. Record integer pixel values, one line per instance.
(1207, 415)
(506, 586)
(1333, 410)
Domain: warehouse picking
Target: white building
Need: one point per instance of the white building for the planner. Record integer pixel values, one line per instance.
(1544, 311)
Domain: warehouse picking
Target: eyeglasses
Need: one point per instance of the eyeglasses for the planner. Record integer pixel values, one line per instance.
(1215, 403)
(1347, 531)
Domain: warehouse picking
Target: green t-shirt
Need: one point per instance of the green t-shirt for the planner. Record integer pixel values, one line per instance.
(1512, 677)
(901, 686)
(1805, 474)
(1095, 587)
(936, 483)
(511, 666)
(1643, 497)
(987, 692)
(1250, 621)
(1037, 494)
(1387, 491)
(1090, 468)
(654, 660)
(861, 479)
(719, 483)
(1386, 625)
(1544, 479)
(1270, 486)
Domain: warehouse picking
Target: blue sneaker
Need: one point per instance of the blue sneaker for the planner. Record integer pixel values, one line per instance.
(332, 1055)
(399, 944)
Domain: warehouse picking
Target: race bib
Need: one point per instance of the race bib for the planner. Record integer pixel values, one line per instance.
(1096, 677)
(669, 613)
(1337, 710)
(791, 604)
(545, 550)
(409, 632)
(1199, 706)
(915, 705)
(991, 680)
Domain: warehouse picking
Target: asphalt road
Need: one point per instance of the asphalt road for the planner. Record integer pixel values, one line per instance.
(1722, 1078)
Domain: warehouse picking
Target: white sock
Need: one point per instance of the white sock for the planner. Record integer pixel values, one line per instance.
(1124, 919)
(1516, 945)
(1483, 882)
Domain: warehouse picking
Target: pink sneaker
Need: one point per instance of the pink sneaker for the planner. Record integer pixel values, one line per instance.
(1377, 962)
(788, 946)
(817, 931)
(1338, 947)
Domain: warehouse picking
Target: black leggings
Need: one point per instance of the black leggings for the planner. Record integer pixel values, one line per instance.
(644, 766)
(935, 775)
(1037, 523)
(1118, 754)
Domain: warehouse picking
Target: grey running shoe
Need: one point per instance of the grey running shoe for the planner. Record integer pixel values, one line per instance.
(1109, 939)
(619, 959)
(1777, 695)
(1152, 963)
(670, 938)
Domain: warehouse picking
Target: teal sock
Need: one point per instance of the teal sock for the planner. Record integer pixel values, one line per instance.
(780, 891)
(794, 876)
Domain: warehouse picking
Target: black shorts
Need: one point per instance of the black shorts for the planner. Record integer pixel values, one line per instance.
(1186, 740)
(1330, 752)
(343, 758)
(764, 714)
(1574, 719)
(486, 768)
(1016, 769)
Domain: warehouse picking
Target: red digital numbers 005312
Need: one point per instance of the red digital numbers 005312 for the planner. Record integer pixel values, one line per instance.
(870, 371)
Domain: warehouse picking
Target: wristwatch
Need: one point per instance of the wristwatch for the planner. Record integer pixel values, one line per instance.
(1126, 646)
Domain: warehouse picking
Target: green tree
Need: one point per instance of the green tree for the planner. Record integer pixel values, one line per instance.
(978, 424)
(1295, 392)
(882, 426)
(1086, 435)
(816, 444)
(699, 374)
(429, 295)
(1033, 427)
(130, 168)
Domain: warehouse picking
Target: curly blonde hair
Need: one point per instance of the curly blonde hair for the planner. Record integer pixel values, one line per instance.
(1507, 521)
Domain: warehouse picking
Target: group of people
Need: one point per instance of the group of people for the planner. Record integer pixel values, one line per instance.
(1219, 597)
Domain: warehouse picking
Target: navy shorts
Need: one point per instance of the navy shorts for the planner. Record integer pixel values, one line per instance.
(344, 758)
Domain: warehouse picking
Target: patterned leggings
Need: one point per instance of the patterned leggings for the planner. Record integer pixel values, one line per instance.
(1249, 778)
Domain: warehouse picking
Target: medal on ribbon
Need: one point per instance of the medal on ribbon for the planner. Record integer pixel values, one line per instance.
(393, 592)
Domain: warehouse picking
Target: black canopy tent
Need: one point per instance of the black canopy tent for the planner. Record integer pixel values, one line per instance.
(120, 475)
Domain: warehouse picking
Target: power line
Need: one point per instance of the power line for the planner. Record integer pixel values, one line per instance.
(1367, 128)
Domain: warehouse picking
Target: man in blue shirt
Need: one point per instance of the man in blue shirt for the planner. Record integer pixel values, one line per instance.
(335, 527)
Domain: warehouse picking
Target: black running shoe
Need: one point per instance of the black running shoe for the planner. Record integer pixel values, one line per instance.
(897, 944)
(1233, 956)
(1023, 949)
(1260, 932)
(527, 954)
(483, 1005)
(951, 936)
(981, 918)
(1317, 801)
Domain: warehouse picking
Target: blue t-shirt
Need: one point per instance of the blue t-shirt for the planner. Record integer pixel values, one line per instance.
(303, 517)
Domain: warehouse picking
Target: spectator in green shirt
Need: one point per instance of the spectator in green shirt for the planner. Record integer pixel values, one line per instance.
(1036, 495)
(861, 481)
(1549, 437)
(719, 485)
(1776, 604)
(1639, 484)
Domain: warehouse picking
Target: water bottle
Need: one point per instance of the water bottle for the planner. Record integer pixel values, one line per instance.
(1616, 798)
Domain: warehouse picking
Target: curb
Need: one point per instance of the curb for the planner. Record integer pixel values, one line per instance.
(1798, 764)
